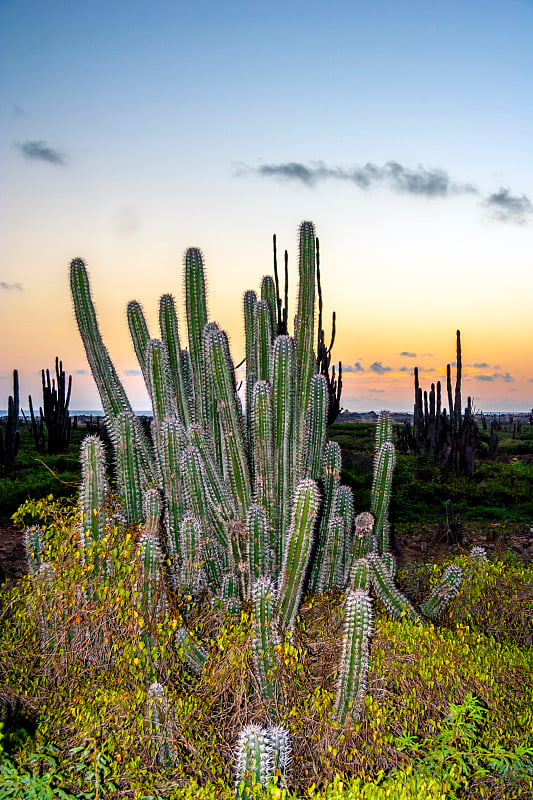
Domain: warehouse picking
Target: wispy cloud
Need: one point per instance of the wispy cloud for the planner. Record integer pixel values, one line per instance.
(481, 365)
(505, 377)
(407, 354)
(507, 207)
(38, 150)
(18, 111)
(81, 372)
(432, 182)
(353, 367)
(132, 372)
(379, 369)
(9, 287)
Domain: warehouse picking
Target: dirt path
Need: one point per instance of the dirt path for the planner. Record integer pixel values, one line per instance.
(12, 556)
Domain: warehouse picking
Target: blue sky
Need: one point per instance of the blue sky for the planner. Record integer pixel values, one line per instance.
(130, 131)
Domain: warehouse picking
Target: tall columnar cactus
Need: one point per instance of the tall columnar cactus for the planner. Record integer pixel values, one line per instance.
(10, 440)
(93, 493)
(196, 306)
(351, 684)
(130, 475)
(264, 639)
(297, 552)
(381, 490)
(253, 761)
(283, 401)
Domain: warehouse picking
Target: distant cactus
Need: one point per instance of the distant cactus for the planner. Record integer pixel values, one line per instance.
(10, 439)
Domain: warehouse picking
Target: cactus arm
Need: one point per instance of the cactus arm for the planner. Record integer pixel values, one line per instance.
(268, 295)
(297, 552)
(381, 490)
(259, 542)
(304, 331)
(140, 335)
(331, 570)
(445, 591)
(332, 465)
(315, 429)
(262, 339)
(391, 597)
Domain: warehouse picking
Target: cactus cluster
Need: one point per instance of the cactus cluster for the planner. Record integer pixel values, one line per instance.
(10, 438)
(239, 505)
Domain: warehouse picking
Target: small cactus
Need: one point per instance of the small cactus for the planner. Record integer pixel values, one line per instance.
(253, 762)
(159, 722)
(351, 684)
(445, 591)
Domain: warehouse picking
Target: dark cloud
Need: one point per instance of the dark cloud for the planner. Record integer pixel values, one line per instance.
(407, 354)
(355, 368)
(40, 151)
(433, 182)
(81, 372)
(377, 391)
(481, 365)
(378, 367)
(509, 208)
(11, 286)
(132, 372)
(505, 377)
(405, 369)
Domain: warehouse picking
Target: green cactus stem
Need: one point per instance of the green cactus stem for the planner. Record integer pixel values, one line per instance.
(353, 669)
(446, 590)
(280, 745)
(332, 464)
(194, 654)
(253, 761)
(262, 339)
(297, 552)
(381, 490)
(383, 433)
(161, 392)
(159, 723)
(268, 294)
(140, 336)
(260, 555)
(230, 593)
(149, 581)
(264, 638)
(168, 324)
(93, 493)
(315, 429)
(171, 441)
(304, 331)
(282, 379)
(331, 575)
(263, 458)
(191, 575)
(196, 307)
(130, 475)
(391, 597)
(360, 577)
(363, 528)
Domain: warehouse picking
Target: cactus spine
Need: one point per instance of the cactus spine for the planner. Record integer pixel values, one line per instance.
(253, 760)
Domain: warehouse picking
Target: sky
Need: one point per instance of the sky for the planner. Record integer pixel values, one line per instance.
(130, 131)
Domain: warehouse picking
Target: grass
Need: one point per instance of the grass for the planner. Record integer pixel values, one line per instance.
(448, 704)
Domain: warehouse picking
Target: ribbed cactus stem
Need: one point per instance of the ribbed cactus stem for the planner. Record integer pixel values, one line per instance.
(446, 590)
(264, 638)
(360, 576)
(353, 669)
(343, 507)
(140, 335)
(268, 294)
(331, 571)
(263, 456)
(194, 654)
(152, 510)
(315, 429)
(234, 453)
(191, 574)
(390, 564)
(161, 391)
(331, 471)
(188, 382)
(171, 440)
(230, 593)
(280, 745)
(383, 433)
(381, 490)
(93, 493)
(196, 306)
(33, 546)
(214, 479)
(258, 531)
(262, 339)
(112, 392)
(363, 529)
(394, 601)
(159, 725)
(253, 761)
(250, 300)
(304, 331)
(130, 476)
(297, 552)
(168, 324)
(149, 581)
(282, 379)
